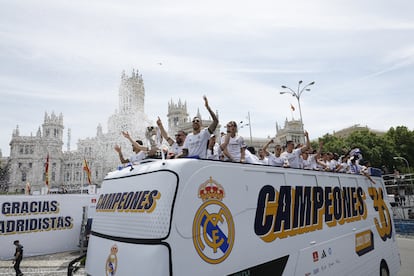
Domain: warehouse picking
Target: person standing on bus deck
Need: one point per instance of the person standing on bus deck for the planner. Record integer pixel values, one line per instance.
(213, 148)
(233, 145)
(176, 147)
(195, 144)
(250, 156)
(137, 147)
(273, 159)
(292, 156)
(18, 256)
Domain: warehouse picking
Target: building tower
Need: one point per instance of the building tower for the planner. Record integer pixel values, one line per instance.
(131, 93)
(292, 131)
(28, 155)
(53, 130)
(177, 116)
(130, 115)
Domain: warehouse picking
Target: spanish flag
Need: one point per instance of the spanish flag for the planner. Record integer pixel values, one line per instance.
(47, 170)
(292, 107)
(87, 170)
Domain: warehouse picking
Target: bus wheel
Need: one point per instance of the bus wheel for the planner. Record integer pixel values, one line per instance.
(384, 269)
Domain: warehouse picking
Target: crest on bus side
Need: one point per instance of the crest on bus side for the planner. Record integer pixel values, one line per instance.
(112, 261)
(213, 226)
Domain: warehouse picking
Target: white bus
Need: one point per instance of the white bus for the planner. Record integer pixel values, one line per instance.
(202, 217)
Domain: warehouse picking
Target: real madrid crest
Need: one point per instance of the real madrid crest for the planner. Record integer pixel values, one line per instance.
(213, 227)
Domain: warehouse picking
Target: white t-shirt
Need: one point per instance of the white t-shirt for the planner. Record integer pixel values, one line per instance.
(251, 158)
(275, 161)
(344, 167)
(215, 154)
(137, 157)
(310, 163)
(307, 165)
(332, 165)
(294, 159)
(234, 147)
(264, 161)
(176, 149)
(197, 143)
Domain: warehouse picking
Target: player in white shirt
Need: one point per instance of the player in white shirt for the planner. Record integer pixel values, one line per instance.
(292, 156)
(273, 159)
(195, 144)
(250, 156)
(139, 151)
(176, 147)
(233, 145)
(262, 157)
(310, 158)
(213, 151)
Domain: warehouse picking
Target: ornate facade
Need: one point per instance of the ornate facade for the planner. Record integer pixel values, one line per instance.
(292, 131)
(177, 116)
(28, 154)
(178, 119)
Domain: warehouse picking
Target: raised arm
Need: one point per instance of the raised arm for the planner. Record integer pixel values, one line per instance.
(117, 148)
(224, 145)
(307, 145)
(266, 146)
(213, 125)
(164, 134)
(318, 153)
(134, 143)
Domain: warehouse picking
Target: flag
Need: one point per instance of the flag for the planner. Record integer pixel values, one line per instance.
(47, 170)
(87, 170)
(292, 107)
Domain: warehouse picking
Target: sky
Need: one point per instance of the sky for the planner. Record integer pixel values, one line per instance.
(68, 56)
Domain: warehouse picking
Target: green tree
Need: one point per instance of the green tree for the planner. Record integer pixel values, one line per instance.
(373, 147)
(378, 149)
(402, 140)
(334, 144)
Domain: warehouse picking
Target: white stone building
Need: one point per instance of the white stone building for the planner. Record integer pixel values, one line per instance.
(292, 131)
(28, 154)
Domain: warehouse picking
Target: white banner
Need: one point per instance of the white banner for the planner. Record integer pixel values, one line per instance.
(43, 224)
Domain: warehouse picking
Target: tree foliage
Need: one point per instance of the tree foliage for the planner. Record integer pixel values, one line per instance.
(380, 150)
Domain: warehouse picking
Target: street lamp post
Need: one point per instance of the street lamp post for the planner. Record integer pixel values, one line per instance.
(406, 161)
(408, 168)
(297, 95)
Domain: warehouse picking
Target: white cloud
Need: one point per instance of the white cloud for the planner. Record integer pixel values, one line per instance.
(68, 56)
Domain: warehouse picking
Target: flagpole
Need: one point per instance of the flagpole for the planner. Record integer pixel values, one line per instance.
(47, 173)
(82, 178)
(250, 127)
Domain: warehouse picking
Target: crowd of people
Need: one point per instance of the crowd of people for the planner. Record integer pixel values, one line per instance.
(202, 143)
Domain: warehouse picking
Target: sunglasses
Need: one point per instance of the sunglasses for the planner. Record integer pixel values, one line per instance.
(196, 121)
